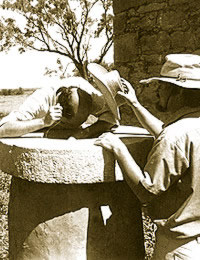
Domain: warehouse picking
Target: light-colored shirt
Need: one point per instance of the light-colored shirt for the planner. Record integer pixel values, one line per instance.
(38, 104)
(171, 187)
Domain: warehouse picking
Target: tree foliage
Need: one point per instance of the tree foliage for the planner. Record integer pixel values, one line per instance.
(64, 27)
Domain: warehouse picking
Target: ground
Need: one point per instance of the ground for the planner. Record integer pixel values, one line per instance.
(4, 199)
(11, 102)
(7, 104)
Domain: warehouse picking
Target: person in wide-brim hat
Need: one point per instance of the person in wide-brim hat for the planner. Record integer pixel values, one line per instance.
(180, 69)
(168, 186)
(109, 83)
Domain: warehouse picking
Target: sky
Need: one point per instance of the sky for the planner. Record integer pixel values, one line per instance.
(27, 70)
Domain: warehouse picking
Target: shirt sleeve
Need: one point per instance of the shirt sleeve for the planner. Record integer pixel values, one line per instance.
(165, 165)
(35, 106)
(107, 116)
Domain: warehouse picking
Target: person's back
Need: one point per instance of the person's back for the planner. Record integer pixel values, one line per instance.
(177, 208)
(169, 184)
(42, 110)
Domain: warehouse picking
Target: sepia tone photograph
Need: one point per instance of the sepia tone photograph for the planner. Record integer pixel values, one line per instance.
(99, 129)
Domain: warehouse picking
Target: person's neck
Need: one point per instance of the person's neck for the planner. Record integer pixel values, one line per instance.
(182, 112)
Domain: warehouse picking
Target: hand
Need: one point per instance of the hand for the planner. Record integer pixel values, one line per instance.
(54, 114)
(129, 93)
(109, 142)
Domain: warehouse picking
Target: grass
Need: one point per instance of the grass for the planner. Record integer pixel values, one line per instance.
(149, 235)
(12, 102)
(5, 180)
(7, 104)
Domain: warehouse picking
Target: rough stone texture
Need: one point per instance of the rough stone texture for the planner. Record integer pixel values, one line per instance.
(145, 32)
(58, 161)
(53, 161)
(119, 6)
(58, 195)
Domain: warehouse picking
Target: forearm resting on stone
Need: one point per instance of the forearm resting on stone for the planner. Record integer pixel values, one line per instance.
(19, 128)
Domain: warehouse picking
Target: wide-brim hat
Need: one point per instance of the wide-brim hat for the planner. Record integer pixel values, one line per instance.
(109, 83)
(180, 69)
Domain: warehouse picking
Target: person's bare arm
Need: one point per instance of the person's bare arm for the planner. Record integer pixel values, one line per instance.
(15, 128)
(132, 172)
(19, 128)
(148, 121)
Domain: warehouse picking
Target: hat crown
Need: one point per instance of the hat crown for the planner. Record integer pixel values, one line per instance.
(109, 83)
(113, 81)
(185, 66)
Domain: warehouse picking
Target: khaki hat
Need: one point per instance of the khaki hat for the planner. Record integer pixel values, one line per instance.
(109, 83)
(180, 69)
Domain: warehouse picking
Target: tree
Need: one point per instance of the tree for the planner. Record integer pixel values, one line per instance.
(65, 27)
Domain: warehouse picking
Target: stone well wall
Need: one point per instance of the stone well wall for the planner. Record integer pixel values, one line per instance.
(68, 199)
(145, 31)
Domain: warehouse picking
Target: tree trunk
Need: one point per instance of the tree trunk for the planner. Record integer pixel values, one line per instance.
(82, 69)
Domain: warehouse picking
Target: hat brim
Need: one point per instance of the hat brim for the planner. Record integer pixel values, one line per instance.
(190, 84)
(97, 71)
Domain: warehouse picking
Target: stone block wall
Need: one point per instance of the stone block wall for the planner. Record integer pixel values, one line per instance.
(145, 32)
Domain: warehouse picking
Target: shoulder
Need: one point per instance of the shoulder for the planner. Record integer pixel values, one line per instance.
(180, 132)
(46, 92)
